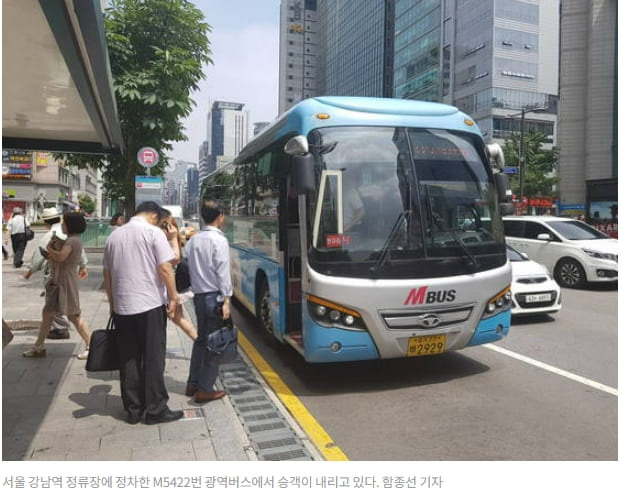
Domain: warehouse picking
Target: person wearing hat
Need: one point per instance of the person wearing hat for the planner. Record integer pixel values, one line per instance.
(52, 218)
(17, 228)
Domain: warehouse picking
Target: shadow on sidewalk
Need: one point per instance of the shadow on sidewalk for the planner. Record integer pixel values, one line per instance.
(98, 402)
(29, 388)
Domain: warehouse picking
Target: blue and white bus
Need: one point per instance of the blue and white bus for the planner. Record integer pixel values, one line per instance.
(365, 228)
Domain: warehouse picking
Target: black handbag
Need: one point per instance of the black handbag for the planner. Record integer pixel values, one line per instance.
(223, 343)
(103, 350)
(182, 276)
(30, 235)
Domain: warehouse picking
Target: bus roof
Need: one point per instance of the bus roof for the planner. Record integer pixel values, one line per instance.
(358, 111)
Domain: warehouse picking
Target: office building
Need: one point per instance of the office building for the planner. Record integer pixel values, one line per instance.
(204, 160)
(356, 41)
(298, 52)
(587, 132)
(228, 133)
(192, 189)
(490, 58)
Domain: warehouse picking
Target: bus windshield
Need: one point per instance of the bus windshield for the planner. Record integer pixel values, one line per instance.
(402, 202)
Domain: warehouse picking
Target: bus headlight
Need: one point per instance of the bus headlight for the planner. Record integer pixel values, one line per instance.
(335, 315)
(498, 303)
(330, 314)
(321, 311)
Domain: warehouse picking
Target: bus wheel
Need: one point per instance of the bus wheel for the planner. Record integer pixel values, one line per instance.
(263, 308)
(569, 273)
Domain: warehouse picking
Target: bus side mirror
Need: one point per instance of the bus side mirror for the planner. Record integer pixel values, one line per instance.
(496, 153)
(303, 169)
(302, 164)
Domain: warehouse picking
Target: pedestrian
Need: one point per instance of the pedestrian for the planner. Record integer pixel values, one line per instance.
(139, 280)
(61, 295)
(210, 275)
(17, 228)
(171, 230)
(59, 330)
(117, 220)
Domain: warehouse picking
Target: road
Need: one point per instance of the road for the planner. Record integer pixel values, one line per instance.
(558, 401)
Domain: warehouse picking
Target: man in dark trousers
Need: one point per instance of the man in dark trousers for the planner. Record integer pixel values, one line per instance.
(210, 276)
(17, 228)
(139, 282)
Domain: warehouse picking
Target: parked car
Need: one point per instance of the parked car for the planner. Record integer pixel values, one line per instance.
(573, 251)
(533, 290)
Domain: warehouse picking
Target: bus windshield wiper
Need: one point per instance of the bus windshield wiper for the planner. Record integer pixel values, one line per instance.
(472, 259)
(442, 226)
(384, 255)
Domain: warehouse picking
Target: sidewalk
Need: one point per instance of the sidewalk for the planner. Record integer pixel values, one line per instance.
(52, 409)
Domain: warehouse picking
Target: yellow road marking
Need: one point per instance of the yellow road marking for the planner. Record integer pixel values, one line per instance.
(320, 438)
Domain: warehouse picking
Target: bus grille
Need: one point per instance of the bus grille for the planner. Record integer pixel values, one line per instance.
(425, 319)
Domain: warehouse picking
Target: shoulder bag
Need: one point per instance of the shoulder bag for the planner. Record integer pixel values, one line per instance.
(103, 349)
(223, 343)
(182, 276)
(30, 235)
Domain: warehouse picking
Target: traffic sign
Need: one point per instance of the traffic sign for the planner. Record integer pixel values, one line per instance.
(512, 169)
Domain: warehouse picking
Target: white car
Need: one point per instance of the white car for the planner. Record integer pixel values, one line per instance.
(533, 290)
(573, 251)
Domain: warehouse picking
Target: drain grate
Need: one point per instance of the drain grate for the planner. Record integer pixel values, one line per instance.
(269, 433)
(291, 455)
(282, 442)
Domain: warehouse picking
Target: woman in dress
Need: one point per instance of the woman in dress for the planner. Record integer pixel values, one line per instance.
(170, 228)
(62, 289)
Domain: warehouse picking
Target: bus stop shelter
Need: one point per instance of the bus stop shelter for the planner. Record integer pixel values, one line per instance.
(57, 92)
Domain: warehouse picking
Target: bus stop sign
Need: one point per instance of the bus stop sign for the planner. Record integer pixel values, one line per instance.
(147, 157)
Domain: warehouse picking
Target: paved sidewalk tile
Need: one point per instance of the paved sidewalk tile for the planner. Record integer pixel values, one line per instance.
(54, 410)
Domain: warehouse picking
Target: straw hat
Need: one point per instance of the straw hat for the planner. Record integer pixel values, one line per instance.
(50, 213)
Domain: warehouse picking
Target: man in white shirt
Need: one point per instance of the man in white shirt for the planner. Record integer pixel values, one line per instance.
(17, 228)
(210, 275)
(139, 281)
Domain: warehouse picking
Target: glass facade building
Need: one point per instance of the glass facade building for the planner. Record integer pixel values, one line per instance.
(503, 58)
(355, 41)
(417, 61)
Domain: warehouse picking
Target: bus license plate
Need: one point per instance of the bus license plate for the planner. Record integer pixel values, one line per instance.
(426, 345)
(538, 298)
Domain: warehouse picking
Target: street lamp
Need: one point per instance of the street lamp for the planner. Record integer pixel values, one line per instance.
(522, 148)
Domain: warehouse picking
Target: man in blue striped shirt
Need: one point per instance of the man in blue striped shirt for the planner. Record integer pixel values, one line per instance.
(210, 277)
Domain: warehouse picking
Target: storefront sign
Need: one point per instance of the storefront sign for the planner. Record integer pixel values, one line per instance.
(15, 171)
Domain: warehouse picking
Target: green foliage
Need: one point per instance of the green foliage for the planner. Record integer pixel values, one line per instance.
(157, 52)
(218, 188)
(540, 164)
(86, 204)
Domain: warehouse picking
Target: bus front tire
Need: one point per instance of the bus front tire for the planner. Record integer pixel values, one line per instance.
(263, 308)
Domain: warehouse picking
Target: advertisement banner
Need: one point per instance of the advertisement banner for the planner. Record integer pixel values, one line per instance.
(16, 165)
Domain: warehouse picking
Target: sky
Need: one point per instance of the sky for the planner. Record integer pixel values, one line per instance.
(245, 54)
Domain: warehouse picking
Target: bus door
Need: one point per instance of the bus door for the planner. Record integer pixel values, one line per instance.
(292, 253)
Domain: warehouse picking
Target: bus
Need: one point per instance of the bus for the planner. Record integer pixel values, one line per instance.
(369, 228)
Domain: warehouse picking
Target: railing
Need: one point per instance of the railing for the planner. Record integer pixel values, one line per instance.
(96, 234)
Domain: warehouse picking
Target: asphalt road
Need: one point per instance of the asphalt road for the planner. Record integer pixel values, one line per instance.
(478, 403)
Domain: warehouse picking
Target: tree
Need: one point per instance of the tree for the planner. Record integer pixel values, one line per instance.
(157, 51)
(218, 188)
(86, 204)
(541, 164)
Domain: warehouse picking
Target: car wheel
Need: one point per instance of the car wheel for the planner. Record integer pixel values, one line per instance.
(263, 311)
(569, 273)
